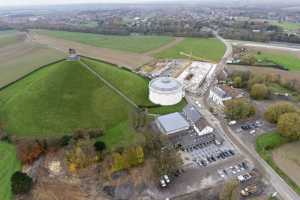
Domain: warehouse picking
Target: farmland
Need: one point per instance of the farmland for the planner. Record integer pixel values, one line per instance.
(10, 37)
(121, 58)
(8, 165)
(281, 156)
(207, 49)
(287, 159)
(53, 102)
(21, 57)
(135, 44)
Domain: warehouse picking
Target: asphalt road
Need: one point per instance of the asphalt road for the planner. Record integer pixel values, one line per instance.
(284, 190)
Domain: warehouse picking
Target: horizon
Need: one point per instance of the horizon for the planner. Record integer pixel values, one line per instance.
(20, 3)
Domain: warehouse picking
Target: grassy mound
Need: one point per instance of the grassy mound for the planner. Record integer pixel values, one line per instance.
(60, 98)
(132, 85)
(201, 48)
(137, 44)
(8, 165)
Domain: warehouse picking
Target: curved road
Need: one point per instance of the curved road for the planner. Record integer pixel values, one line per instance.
(284, 190)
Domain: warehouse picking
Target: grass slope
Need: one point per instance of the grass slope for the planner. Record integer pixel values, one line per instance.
(8, 165)
(58, 99)
(132, 85)
(136, 44)
(290, 61)
(203, 48)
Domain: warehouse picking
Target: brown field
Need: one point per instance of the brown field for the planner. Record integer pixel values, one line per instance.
(287, 159)
(126, 59)
(289, 75)
(23, 57)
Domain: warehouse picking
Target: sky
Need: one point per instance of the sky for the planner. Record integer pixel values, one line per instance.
(47, 2)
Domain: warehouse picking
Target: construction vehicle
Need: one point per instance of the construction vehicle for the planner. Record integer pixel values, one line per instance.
(247, 191)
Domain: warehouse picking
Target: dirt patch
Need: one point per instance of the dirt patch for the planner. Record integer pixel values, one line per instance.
(126, 59)
(167, 46)
(288, 160)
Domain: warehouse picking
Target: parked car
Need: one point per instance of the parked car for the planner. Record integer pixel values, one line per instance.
(232, 123)
(163, 183)
(166, 178)
(246, 127)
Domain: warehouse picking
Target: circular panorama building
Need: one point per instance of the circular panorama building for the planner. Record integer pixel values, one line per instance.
(165, 91)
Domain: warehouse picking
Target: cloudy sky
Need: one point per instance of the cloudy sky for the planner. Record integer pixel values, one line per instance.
(46, 2)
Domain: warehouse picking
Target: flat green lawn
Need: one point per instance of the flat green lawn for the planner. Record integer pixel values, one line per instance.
(201, 48)
(290, 61)
(60, 98)
(8, 165)
(136, 44)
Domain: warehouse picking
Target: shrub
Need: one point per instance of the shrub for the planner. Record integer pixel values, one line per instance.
(65, 140)
(237, 109)
(289, 125)
(238, 82)
(259, 91)
(28, 151)
(274, 111)
(99, 146)
(21, 183)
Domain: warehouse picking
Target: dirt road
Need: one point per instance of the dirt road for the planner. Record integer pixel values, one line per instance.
(167, 46)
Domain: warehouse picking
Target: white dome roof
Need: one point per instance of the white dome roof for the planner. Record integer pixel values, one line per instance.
(165, 84)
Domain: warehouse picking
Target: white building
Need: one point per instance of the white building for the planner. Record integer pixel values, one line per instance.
(165, 91)
(218, 96)
(221, 93)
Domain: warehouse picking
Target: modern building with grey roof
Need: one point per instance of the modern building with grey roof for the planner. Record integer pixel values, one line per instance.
(172, 123)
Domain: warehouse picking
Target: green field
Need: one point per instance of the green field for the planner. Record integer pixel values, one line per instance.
(289, 61)
(290, 26)
(60, 98)
(8, 165)
(201, 48)
(136, 44)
